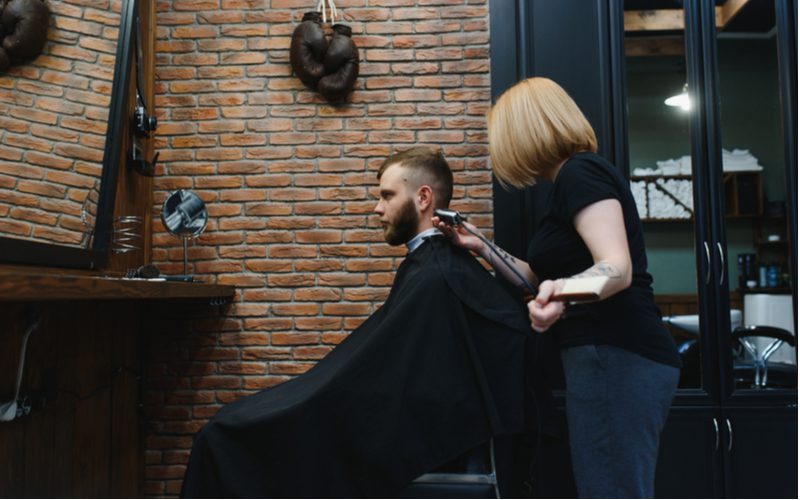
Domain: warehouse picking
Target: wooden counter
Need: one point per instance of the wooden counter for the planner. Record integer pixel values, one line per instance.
(23, 285)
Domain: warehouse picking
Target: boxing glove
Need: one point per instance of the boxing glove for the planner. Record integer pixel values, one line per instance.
(341, 65)
(308, 49)
(5, 62)
(25, 25)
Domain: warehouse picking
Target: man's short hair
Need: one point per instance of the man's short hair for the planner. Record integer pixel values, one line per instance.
(427, 166)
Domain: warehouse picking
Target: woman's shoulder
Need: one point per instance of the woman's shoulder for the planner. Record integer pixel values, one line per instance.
(585, 179)
(582, 167)
(587, 159)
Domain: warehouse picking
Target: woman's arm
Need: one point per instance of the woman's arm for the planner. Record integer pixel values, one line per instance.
(465, 235)
(504, 262)
(601, 225)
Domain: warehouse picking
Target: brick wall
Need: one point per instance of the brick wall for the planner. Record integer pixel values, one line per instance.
(53, 120)
(290, 185)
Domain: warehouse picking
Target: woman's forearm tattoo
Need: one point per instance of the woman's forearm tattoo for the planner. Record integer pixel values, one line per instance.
(601, 269)
(497, 252)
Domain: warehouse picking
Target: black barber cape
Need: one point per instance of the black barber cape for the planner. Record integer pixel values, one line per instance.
(437, 370)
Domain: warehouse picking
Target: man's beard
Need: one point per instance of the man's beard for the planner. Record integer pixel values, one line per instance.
(404, 227)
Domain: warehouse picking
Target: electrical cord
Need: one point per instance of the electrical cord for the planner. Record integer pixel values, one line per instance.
(513, 269)
(568, 312)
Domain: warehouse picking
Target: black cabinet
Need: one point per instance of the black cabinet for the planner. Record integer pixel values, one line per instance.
(737, 61)
(689, 462)
(731, 453)
(760, 452)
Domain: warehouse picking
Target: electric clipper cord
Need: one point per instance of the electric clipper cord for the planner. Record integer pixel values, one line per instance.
(453, 218)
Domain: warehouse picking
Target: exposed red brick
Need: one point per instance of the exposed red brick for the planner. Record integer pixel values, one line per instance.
(289, 179)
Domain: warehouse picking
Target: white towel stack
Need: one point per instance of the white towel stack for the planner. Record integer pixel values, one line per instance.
(686, 165)
(678, 166)
(662, 206)
(739, 160)
(680, 189)
(646, 172)
(639, 190)
(653, 203)
(670, 167)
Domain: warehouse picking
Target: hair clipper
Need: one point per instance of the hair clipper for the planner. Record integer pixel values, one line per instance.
(449, 217)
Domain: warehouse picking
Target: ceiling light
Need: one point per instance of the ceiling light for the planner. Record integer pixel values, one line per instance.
(680, 100)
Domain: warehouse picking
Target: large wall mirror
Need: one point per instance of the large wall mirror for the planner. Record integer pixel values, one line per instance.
(61, 117)
(753, 172)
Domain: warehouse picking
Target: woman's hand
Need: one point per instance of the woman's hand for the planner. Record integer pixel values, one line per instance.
(542, 311)
(459, 236)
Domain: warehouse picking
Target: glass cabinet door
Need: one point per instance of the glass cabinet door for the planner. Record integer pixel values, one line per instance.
(754, 189)
(661, 171)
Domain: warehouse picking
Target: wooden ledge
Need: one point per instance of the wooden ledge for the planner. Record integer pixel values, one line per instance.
(28, 286)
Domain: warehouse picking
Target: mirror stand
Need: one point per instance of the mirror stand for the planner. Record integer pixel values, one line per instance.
(184, 215)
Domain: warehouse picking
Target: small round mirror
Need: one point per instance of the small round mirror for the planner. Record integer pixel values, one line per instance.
(184, 214)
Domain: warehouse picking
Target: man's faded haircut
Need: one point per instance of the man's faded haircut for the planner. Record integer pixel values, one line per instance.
(426, 167)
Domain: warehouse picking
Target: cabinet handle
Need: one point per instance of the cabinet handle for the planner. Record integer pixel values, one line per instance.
(730, 434)
(708, 262)
(716, 434)
(721, 263)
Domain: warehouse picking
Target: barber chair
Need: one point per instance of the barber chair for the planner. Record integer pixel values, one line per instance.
(473, 475)
(689, 349)
(760, 357)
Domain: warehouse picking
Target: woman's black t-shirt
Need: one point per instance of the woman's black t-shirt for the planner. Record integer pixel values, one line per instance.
(629, 319)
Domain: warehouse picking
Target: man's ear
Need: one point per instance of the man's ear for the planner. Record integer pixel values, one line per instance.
(424, 197)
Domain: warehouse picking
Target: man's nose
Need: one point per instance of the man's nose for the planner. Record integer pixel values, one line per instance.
(379, 208)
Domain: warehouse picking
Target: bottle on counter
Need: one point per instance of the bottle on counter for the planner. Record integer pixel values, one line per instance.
(748, 273)
(773, 275)
(762, 276)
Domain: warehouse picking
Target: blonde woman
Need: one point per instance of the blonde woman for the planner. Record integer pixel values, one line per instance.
(620, 363)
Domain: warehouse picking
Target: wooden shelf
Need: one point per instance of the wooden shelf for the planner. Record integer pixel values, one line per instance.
(21, 286)
(687, 219)
(771, 242)
(743, 190)
(654, 177)
(780, 290)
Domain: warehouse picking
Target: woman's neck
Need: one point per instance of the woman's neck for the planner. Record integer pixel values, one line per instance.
(556, 170)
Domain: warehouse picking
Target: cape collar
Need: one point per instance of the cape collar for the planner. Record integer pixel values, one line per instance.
(417, 240)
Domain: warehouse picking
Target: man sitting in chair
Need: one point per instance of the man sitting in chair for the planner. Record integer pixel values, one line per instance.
(436, 371)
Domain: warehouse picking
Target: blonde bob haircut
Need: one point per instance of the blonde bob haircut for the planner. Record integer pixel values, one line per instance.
(535, 126)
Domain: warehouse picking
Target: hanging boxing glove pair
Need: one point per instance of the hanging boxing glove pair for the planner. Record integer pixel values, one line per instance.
(23, 31)
(331, 68)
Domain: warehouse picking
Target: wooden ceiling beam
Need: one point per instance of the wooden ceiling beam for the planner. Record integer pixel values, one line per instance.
(672, 19)
(727, 11)
(652, 46)
(654, 20)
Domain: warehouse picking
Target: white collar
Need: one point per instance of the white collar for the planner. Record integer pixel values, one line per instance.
(417, 240)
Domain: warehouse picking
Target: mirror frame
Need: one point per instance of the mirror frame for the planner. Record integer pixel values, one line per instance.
(18, 251)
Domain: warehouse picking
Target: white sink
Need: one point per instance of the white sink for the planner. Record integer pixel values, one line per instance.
(691, 322)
